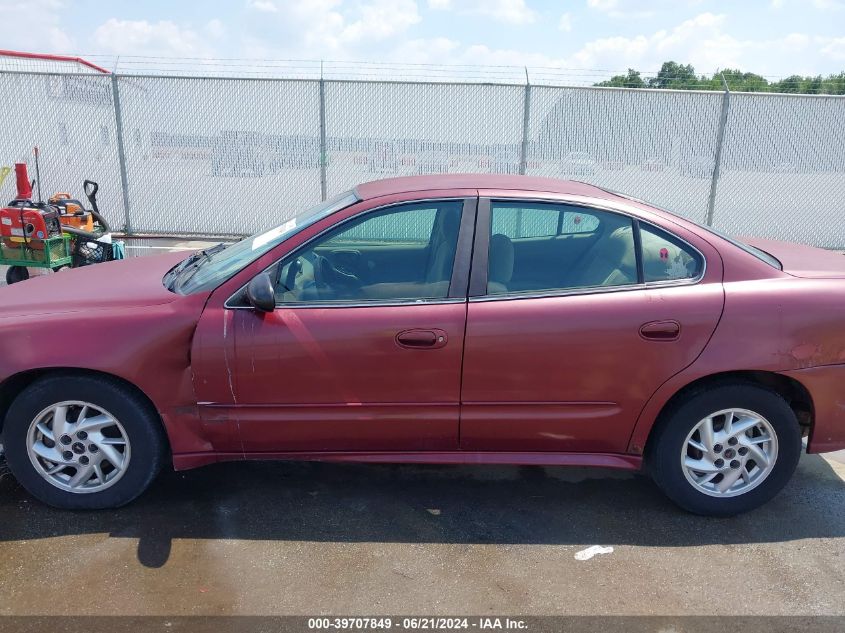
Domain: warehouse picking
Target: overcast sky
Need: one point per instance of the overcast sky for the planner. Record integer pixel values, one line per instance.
(770, 37)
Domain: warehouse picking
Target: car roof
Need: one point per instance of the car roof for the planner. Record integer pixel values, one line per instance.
(404, 184)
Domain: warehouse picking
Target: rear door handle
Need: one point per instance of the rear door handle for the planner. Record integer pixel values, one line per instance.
(422, 339)
(661, 331)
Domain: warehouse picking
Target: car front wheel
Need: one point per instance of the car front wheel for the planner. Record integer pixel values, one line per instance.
(83, 442)
(725, 450)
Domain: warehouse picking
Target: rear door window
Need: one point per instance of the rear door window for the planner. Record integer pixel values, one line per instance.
(547, 247)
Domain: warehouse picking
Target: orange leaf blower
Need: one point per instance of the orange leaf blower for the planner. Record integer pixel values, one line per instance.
(71, 212)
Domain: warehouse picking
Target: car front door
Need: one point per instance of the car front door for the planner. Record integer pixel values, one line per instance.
(363, 350)
(576, 316)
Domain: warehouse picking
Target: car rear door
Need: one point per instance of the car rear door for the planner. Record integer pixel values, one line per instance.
(376, 367)
(563, 358)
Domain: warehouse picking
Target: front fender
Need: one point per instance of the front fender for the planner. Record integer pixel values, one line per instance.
(147, 346)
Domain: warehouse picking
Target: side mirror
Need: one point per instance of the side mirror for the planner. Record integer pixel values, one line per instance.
(259, 293)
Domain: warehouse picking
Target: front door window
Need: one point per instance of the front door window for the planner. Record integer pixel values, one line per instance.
(405, 253)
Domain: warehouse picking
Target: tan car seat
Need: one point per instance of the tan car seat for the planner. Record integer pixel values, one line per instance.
(610, 262)
(500, 268)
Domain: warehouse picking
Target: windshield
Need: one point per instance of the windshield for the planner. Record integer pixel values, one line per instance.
(208, 269)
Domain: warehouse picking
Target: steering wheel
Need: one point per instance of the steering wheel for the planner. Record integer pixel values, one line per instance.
(341, 284)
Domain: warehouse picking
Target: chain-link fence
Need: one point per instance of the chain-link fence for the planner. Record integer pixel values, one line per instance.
(223, 155)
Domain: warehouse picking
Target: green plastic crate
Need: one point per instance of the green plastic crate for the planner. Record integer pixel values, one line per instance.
(56, 252)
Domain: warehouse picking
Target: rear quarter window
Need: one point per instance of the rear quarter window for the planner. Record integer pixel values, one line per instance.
(666, 258)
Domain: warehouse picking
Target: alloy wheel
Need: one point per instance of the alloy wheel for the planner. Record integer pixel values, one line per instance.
(729, 453)
(78, 447)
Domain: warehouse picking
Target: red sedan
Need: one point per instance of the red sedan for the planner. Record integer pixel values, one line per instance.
(441, 319)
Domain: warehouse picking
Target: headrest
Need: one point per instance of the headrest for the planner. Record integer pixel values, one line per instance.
(500, 256)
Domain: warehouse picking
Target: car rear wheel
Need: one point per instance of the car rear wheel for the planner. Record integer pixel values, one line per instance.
(83, 442)
(726, 450)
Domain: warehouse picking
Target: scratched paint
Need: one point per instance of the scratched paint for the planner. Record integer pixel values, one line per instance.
(235, 416)
(226, 357)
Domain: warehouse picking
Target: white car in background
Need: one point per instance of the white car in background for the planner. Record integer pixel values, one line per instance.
(433, 162)
(612, 165)
(382, 159)
(653, 164)
(785, 167)
(698, 166)
(578, 164)
(502, 161)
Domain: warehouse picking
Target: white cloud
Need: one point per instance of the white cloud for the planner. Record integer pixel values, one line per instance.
(565, 22)
(828, 5)
(157, 39)
(624, 9)
(437, 50)
(634, 9)
(267, 6)
(35, 26)
(508, 11)
(384, 30)
(796, 41)
(450, 52)
(832, 47)
(701, 41)
(215, 29)
(321, 29)
(381, 19)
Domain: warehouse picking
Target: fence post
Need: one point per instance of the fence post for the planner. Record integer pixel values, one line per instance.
(717, 160)
(121, 153)
(323, 154)
(526, 114)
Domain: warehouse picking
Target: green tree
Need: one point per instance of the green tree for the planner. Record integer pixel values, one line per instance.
(834, 84)
(674, 75)
(739, 81)
(631, 80)
(831, 85)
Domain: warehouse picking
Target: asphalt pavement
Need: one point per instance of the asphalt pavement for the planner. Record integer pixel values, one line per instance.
(309, 538)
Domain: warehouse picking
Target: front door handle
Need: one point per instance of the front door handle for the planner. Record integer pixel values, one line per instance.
(661, 331)
(422, 339)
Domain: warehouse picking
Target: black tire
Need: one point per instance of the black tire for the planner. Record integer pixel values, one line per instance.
(15, 274)
(140, 422)
(663, 457)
